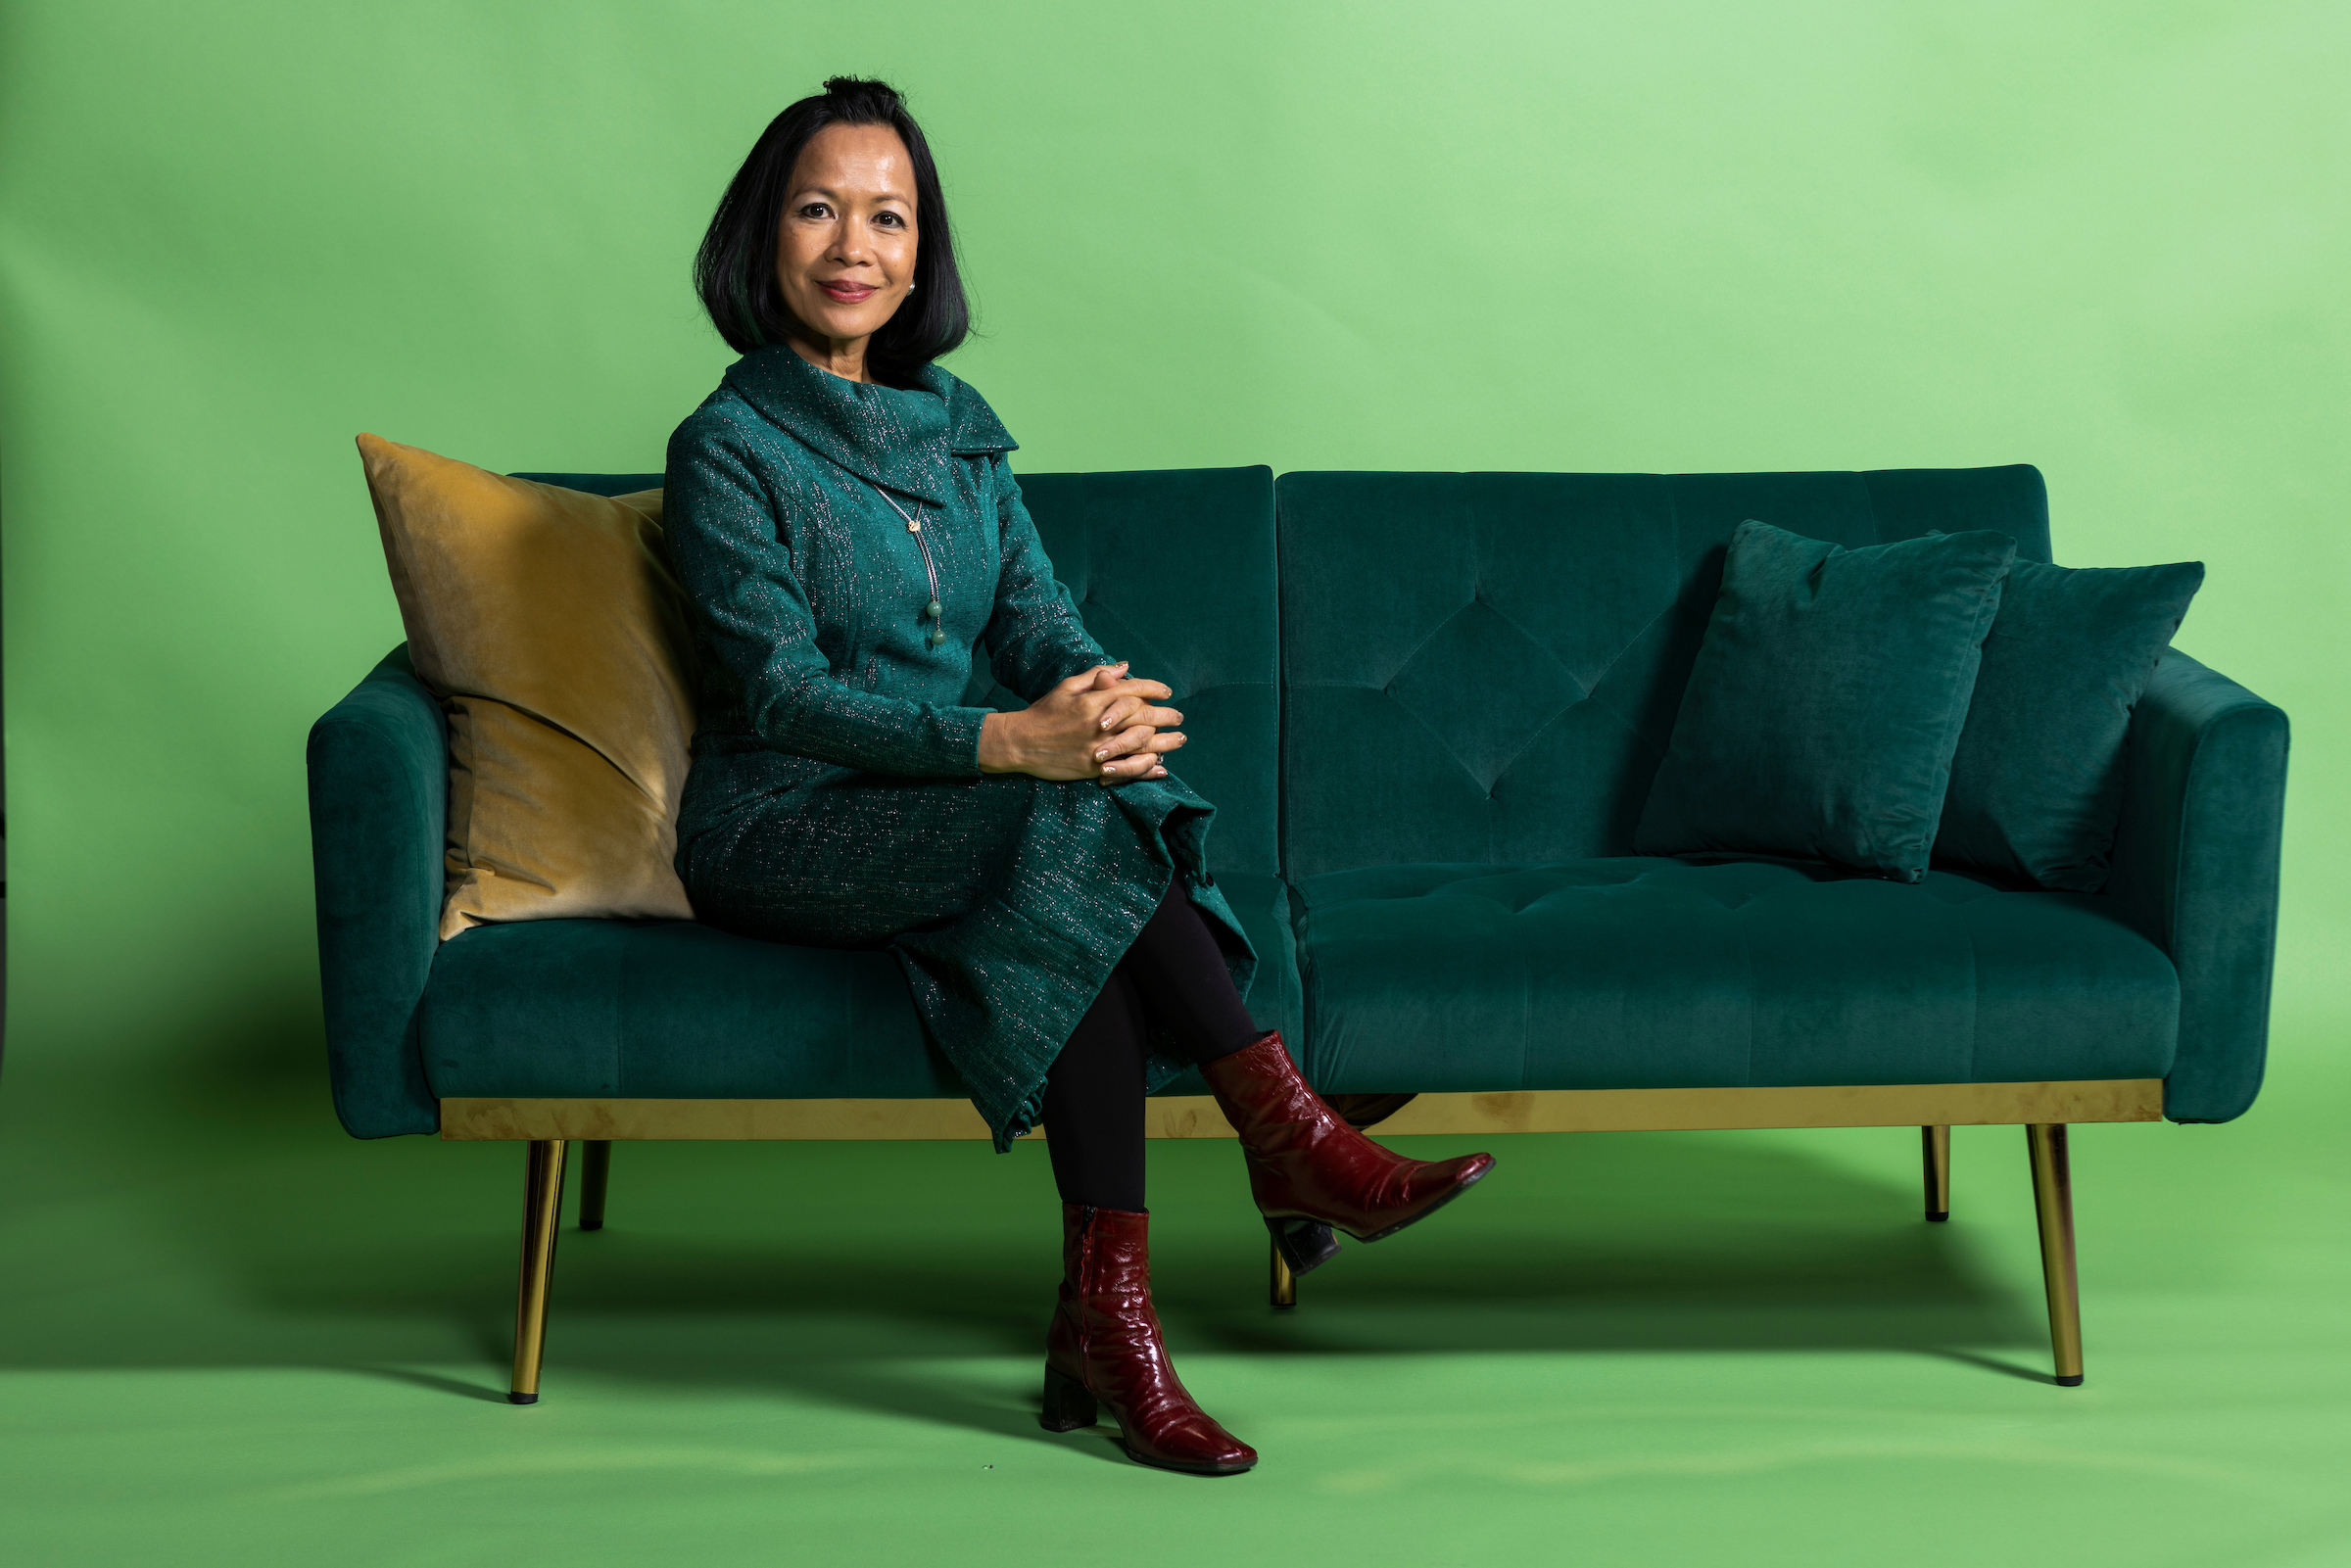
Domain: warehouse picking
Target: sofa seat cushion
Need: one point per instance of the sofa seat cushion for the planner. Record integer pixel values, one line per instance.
(1712, 971)
(675, 1010)
(668, 1009)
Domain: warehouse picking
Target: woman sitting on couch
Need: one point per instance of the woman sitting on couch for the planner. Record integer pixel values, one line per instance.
(842, 516)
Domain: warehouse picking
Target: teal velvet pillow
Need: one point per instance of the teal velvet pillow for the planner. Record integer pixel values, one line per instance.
(1826, 701)
(2036, 784)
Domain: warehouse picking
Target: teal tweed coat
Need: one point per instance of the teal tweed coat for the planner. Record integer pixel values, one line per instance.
(835, 797)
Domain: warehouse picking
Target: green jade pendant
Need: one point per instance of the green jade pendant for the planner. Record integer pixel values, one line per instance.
(932, 611)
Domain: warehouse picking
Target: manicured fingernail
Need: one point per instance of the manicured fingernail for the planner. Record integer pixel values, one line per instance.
(1159, 773)
(1102, 755)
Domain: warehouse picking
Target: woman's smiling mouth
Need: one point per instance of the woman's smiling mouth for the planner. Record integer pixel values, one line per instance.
(848, 292)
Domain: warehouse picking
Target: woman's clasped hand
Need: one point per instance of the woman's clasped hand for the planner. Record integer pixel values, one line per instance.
(1100, 724)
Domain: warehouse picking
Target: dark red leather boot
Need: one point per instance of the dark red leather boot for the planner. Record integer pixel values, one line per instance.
(1104, 1346)
(1310, 1171)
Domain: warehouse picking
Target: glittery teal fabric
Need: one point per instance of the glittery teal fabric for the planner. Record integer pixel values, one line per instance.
(836, 798)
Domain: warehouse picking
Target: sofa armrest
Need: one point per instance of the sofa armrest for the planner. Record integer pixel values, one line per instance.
(379, 805)
(2196, 868)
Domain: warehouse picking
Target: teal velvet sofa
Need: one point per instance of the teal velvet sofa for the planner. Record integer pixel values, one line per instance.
(1428, 707)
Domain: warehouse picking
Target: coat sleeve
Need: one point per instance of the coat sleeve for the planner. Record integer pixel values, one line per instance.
(1035, 637)
(723, 537)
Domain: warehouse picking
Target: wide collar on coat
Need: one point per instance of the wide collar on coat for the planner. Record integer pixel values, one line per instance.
(899, 438)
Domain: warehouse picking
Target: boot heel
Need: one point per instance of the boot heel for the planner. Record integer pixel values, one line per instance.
(1305, 1245)
(1068, 1406)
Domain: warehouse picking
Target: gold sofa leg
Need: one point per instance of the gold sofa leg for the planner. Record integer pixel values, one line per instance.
(595, 1174)
(542, 1211)
(1285, 1283)
(2053, 1203)
(1934, 1146)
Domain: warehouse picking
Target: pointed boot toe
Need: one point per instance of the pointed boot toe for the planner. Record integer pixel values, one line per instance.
(1432, 1187)
(1200, 1448)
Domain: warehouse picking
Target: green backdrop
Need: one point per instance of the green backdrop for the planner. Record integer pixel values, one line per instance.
(2109, 238)
(1677, 236)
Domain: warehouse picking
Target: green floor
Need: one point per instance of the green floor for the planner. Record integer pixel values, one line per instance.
(231, 1335)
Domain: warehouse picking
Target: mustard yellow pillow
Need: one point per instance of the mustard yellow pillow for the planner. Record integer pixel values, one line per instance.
(550, 626)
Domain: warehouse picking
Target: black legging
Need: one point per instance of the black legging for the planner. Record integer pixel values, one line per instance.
(1174, 974)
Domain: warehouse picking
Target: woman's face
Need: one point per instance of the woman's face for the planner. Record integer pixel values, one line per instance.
(845, 253)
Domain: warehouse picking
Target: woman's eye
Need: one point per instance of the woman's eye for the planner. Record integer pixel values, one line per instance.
(815, 209)
(890, 220)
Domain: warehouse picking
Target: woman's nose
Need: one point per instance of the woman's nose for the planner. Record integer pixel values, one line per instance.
(852, 243)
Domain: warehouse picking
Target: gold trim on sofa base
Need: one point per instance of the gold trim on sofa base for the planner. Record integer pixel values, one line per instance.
(1890, 1105)
(2044, 1109)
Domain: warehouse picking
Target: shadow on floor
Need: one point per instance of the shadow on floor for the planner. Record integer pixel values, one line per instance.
(858, 1275)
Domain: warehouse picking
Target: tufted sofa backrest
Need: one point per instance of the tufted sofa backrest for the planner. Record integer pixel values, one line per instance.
(1485, 668)
(1456, 668)
(1173, 569)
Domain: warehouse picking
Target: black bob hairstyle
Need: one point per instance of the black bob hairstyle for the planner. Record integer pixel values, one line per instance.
(734, 271)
